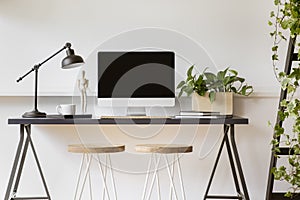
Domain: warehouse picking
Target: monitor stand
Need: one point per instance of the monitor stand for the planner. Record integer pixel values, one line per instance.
(136, 111)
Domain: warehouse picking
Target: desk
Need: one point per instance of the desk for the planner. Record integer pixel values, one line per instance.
(228, 140)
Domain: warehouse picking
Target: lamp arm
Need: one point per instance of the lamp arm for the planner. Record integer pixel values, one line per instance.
(37, 66)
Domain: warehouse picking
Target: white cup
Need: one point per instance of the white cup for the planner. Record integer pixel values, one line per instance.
(66, 109)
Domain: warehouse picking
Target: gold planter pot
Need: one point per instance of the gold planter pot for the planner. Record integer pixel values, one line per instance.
(223, 103)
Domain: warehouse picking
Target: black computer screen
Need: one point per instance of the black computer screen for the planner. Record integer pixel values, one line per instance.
(145, 74)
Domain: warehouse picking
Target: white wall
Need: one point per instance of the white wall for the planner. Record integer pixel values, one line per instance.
(232, 33)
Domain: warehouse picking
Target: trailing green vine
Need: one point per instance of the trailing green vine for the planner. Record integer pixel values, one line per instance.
(286, 20)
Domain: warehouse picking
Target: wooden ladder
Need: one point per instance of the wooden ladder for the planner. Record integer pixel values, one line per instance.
(271, 195)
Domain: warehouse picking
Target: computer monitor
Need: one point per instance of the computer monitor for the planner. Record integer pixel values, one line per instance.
(136, 79)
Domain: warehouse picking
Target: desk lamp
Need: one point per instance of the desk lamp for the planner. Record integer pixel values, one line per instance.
(71, 61)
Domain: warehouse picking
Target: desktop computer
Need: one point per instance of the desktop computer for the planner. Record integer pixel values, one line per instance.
(136, 80)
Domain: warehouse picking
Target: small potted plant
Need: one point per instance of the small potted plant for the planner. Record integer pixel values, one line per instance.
(214, 92)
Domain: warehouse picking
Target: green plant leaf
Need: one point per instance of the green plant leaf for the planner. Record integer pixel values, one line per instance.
(234, 72)
(233, 89)
(188, 90)
(221, 75)
(210, 76)
(274, 57)
(285, 24)
(180, 93)
(272, 14)
(189, 72)
(180, 84)
(284, 83)
(246, 90)
(270, 23)
(212, 96)
(274, 48)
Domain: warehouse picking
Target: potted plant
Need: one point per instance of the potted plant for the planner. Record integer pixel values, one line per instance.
(214, 92)
(286, 19)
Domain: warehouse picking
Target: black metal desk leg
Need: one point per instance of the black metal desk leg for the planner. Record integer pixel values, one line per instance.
(28, 130)
(19, 163)
(238, 162)
(24, 153)
(15, 164)
(217, 161)
(235, 165)
(232, 165)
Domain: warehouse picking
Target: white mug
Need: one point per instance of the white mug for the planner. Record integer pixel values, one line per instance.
(66, 109)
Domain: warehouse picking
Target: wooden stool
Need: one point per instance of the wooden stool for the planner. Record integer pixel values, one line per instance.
(89, 153)
(158, 150)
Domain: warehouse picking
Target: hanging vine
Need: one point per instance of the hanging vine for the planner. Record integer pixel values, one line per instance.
(286, 20)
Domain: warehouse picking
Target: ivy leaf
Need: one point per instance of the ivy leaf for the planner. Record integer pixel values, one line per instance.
(270, 23)
(285, 24)
(278, 130)
(290, 89)
(284, 83)
(283, 103)
(274, 57)
(269, 123)
(272, 33)
(288, 194)
(274, 48)
(282, 74)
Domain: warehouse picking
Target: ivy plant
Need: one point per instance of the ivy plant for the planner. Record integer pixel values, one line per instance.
(226, 80)
(285, 20)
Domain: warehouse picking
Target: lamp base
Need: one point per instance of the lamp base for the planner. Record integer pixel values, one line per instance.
(34, 114)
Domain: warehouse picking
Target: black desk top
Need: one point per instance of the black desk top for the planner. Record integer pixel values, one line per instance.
(127, 121)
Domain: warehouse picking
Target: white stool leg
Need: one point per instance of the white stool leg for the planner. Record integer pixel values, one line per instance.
(89, 160)
(170, 176)
(103, 178)
(147, 177)
(89, 179)
(105, 172)
(172, 173)
(112, 176)
(79, 175)
(180, 177)
(157, 185)
(156, 163)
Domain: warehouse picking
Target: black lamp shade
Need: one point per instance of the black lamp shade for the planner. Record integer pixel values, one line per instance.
(72, 60)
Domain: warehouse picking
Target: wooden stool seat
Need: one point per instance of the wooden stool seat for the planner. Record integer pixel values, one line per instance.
(95, 148)
(157, 152)
(90, 153)
(163, 148)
